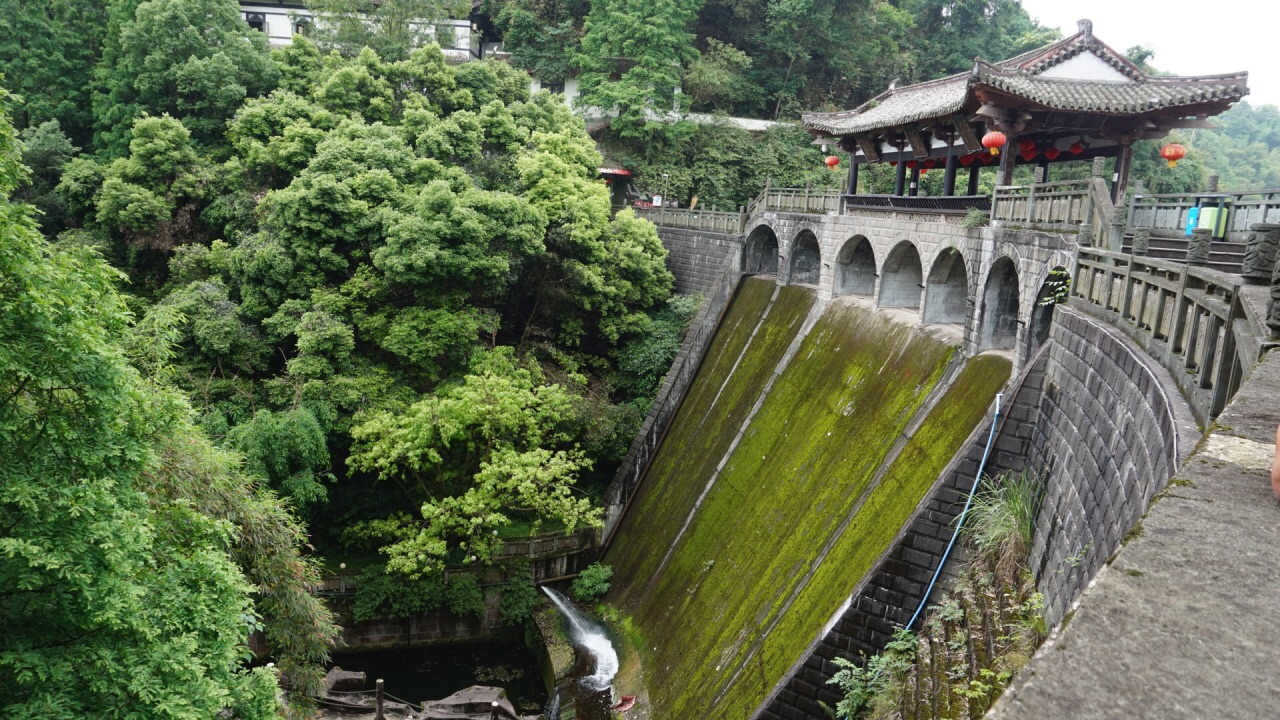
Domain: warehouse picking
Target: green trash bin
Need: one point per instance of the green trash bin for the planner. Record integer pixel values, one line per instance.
(1214, 217)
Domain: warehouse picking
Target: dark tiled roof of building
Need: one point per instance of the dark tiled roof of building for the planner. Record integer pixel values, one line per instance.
(1120, 98)
(1021, 76)
(936, 98)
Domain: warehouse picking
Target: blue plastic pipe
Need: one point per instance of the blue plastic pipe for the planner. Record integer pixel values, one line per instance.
(960, 520)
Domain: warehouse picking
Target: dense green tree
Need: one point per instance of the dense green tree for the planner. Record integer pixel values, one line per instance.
(632, 55)
(45, 150)
(196, 60)
(497, 442)
(48, 49)
(391, 28)
(717, 80)
(119, 604)
(541, 35)
(949, 34)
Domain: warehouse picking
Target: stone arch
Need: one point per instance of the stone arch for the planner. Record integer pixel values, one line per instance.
(999, 327)
(856, 268)
(946, 295)
(901, 277)
(805, 259)
(761, 252)
(1050, 294)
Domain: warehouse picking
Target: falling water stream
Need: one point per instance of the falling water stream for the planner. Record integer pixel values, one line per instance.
(593, 691)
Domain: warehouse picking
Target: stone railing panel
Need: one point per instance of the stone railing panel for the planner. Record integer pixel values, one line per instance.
(1183, 316)
(1167, 214)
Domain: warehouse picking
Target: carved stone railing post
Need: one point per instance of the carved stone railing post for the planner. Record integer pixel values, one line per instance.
(1141, 241)
(1116, 231)
(1198, 246)
(1273, 307)
(1086, 235)
(1212, 185)
(1260, 253)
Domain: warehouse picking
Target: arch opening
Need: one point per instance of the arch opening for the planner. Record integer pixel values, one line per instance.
(806, 259)
(946, 294)
(901, 278)
(856, 268)
(761, 252)
(1000, 307)
(1054, 290)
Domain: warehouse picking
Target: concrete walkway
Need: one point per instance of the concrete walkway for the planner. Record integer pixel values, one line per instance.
(1185, 621)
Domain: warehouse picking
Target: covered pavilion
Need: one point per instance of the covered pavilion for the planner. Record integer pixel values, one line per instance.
(1076, 99)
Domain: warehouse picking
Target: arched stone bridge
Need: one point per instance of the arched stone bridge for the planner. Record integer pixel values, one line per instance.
(991, 284)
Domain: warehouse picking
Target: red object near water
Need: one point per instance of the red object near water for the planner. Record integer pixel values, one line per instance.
(625, 703)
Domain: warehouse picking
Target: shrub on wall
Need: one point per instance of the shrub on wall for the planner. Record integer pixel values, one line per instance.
(593, 582)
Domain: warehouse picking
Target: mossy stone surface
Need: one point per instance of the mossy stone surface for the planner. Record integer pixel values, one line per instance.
(792, 523)
(753, 336)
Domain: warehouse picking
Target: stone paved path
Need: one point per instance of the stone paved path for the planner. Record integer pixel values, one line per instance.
(1185, 622)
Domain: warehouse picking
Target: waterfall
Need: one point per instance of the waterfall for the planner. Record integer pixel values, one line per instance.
(586, 634)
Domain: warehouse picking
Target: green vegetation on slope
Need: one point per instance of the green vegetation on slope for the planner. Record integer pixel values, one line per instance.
(708, 420)
(809, 457)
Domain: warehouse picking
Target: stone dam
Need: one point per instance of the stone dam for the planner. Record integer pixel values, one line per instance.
(796, 482)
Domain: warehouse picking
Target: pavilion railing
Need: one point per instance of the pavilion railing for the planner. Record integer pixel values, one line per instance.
(718, 221)
(1167, 214)
(1189, 318)
(807, 199)
(1062, 205)
(943, 204)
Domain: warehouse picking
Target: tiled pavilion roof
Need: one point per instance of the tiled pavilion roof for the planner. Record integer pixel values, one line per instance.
(1023, 78)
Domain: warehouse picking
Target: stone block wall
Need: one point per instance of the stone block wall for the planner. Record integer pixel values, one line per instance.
(1109, 430)
(696, 257)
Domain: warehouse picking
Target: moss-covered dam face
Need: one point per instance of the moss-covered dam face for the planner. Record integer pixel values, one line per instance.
(810, 436)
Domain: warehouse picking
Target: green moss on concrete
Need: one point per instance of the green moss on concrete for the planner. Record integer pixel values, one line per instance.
(753, 336)
(715, 616)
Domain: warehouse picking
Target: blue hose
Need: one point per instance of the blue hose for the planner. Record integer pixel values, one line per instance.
(960, 520)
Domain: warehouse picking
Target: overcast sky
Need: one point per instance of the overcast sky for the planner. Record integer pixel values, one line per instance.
(1189, 38)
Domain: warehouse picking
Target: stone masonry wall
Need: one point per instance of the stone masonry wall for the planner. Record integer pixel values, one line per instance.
(696, 257)
(1109, 431)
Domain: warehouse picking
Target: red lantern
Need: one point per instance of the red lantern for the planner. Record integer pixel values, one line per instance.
(1173, 152)
(930, 163)
(1027, 145)
(1076, 148)
(924, 171)
(988, 159)
(1028, 155)
(893, 163)
(1052, 153)
(832, 161)
(911, 164)
(993, 141)
(967, 160)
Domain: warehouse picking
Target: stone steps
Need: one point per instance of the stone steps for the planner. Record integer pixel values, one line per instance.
(1223, 256)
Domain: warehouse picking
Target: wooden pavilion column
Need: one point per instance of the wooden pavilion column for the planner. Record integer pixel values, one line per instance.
(900, 179)
(949, 175)
(915, 180)
(1120, 181)
(974, 170)
(1006, 163)
(853, 176)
